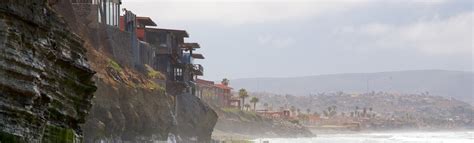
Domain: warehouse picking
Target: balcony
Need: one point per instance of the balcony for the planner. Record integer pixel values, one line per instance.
(85, 1)
(198, 69)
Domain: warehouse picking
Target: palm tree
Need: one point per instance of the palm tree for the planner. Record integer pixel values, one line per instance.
(364, 112)
(330, 112)
(292, 110)
(243, 94)
(247, 106)
(225, 81)
(357, 111)
(316, 113)
(254, 100)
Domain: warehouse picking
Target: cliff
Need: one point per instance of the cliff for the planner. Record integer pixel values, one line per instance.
(196, 120)
(124, 113)
(234, 123)
(48, 80)
(132, 105)
(45, 82)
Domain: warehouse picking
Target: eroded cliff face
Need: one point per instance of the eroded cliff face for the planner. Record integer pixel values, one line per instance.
(45, 81)
(125, 108)
(196, 120)
(121, 113)
(251, 125)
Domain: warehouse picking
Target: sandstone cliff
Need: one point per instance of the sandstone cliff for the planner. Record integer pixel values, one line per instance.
(235, 123)
(45, 81)
(196, 120)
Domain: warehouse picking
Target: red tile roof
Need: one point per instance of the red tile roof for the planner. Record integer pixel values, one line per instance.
(223, 86)
(202, 81)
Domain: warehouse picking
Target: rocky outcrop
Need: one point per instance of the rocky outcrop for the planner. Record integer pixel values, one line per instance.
(121, 113)
(196, 120)
(45, 82)
(251, 125)
(125, 114)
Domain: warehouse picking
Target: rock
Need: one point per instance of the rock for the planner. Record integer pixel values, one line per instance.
(45, 82)
(121, 113)
(196, 120)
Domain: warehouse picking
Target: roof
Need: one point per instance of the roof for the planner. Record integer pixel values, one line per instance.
(197, 56)
(181, 33)
(202, 81)
(222, 86)
(146, 21)
(190, 45)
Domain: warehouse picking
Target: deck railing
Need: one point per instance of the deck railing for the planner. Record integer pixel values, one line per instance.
(85, 1)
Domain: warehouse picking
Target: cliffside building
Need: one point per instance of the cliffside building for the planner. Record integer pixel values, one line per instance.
(216, 94)
(175, 58)
(108, 11)
(132, 41)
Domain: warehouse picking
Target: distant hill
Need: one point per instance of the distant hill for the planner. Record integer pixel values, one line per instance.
(456, 84)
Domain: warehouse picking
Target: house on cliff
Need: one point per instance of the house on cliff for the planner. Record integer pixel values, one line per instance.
(134, 42)
(175, 58)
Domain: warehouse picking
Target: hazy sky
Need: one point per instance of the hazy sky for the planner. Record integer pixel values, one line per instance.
(284, 38)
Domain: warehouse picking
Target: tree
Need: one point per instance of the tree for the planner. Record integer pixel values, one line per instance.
(316, 113)
(225, 81)
(254, 100)
(308, 111)
(330, 112)
(247, 106)
(242, 95)
(293, 110)
(364, 112)
(356, 113)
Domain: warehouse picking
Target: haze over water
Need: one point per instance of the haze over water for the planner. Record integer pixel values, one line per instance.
(388, 137)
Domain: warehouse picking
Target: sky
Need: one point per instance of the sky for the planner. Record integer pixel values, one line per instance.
(288, 38)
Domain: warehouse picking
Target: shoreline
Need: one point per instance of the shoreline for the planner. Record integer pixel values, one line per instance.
(319, 132)
(224, 136)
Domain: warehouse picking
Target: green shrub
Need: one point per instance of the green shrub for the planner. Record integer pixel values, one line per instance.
(152, 73)
(114, 65)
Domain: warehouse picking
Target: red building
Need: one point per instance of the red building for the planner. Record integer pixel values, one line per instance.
(140, 24)
(223, 93)
(285, 114)
(216, 94)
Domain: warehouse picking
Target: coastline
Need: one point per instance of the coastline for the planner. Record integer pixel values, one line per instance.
(224, 136)
(382, 137)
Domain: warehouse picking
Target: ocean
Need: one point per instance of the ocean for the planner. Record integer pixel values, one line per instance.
(384, 137)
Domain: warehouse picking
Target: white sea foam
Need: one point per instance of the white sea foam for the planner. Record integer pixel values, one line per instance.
(402, 137)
